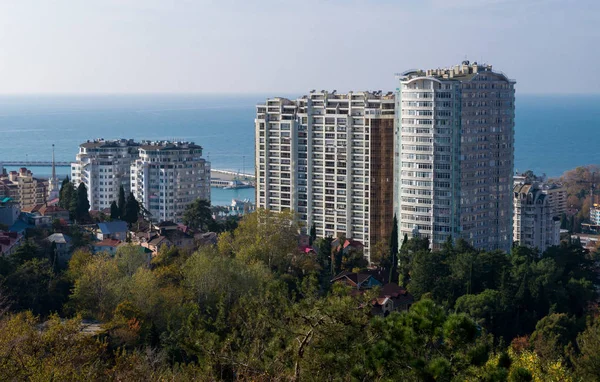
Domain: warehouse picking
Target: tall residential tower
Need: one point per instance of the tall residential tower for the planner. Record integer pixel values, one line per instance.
(329, 157)
(454, 155)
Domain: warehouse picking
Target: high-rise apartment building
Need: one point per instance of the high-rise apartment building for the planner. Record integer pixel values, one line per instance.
(454, 155)
(103, 166)
(23, 188)
(536, 224)
(168, 176)
(329, 158)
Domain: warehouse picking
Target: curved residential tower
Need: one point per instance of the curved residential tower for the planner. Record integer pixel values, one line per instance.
(455, 156)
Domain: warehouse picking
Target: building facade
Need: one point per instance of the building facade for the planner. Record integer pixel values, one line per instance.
(23, 188)
(329, 158)
(454, 155)
(536, 224)
(595, 214)
(167, 176)
(103, 166)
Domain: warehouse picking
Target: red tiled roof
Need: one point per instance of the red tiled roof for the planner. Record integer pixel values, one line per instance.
(51, 210)
(107, 243)
(34, 208)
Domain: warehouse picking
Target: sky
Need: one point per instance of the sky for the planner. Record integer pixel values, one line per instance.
(290, 46)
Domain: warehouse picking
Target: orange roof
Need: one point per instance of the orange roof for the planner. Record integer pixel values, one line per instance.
(107, 243)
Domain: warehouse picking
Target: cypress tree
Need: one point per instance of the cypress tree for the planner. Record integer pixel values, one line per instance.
(132, 209)
(313, 234)
(121, 203)
(393, 249)
(114, 211)
(83, 204)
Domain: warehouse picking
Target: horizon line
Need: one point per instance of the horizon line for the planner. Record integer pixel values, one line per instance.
(268, 93)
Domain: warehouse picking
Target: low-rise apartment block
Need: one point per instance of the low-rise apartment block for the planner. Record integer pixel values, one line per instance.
(536, 223)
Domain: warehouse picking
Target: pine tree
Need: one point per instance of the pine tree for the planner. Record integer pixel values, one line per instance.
(121, 203)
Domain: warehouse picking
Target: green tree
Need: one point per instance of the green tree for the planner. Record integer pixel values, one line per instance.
(198, 215)
(313, 233)
(121, 202)
(132, 209)
(65, 195)
(587, 361)
(83, 204)
(552, 334)
(265, 236)
(97, 290)
(54, 351)
(394, 251)
(33, 286)
(115, 213)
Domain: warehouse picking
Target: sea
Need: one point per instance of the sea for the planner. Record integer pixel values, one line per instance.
(553, 133)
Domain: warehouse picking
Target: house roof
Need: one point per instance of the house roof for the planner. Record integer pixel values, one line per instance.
(115, 226)
(107, 243)
(158, 240)
(177, 234)
(59, 238)
(19, 226)
(353, 278)
(32, 209)
(167, 223)
(44, 210)
(208, 238)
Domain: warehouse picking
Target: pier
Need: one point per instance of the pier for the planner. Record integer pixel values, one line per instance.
(34, 163)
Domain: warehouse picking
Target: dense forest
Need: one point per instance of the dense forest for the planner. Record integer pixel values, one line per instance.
(254, 307)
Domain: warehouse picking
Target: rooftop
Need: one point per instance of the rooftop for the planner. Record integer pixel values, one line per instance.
(102, 143)
(463, 72)
(168, 145)
(108, 228)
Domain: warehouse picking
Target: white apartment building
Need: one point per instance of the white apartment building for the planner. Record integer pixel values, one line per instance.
(329, 158)
(536, 224)
(103, 166)
(168, 176)
(595, 214)
(455, 155)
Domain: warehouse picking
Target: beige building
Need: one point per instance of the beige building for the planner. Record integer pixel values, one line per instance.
(536, 224)
(23, 188)
(329, 157)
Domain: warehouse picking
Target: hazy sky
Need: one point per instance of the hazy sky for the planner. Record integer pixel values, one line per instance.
(284, 46)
